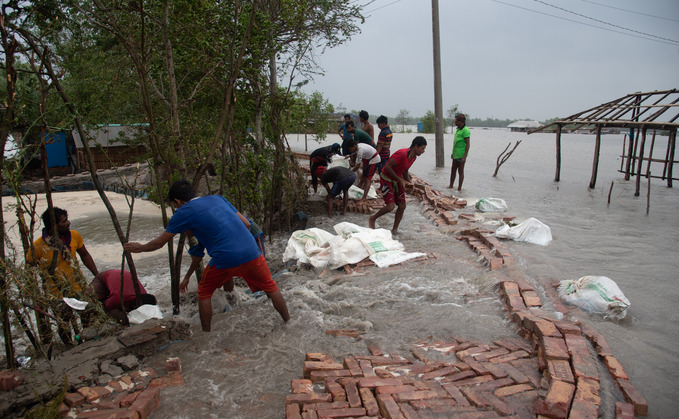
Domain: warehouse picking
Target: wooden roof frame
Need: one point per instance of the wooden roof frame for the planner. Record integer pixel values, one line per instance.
(653, 110)
(640, 112)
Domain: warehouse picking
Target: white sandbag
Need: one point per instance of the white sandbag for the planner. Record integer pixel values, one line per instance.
(531, 231)
(491, 205)
(595, 294)
(143, 313)
(352, 244)
(393, 257)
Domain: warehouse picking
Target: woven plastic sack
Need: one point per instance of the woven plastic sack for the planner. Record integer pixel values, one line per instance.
(531, 231)
(491, 205)
(143, 313)
(595, 294)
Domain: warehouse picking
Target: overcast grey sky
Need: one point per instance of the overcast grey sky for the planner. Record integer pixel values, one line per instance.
(506, 59)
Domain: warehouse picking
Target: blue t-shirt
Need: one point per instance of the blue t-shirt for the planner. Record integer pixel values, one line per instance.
(216, 225)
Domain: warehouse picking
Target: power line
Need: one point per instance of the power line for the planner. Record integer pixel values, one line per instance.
(586, 24)
(381, 7)
(631, 11)
(605, 23)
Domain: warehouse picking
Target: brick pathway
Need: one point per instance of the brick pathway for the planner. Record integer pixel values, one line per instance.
(551, 370)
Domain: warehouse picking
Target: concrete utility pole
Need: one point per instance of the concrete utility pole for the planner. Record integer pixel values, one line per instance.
(438, 100)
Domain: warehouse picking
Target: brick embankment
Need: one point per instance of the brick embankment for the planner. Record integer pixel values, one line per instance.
(552, 371)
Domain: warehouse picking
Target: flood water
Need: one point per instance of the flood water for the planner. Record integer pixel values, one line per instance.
(243, 368)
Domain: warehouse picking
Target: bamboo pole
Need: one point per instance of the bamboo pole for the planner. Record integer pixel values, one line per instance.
(648, 195)
(650, 156)
(641, 161)
(595, 163)
(557, 175)
(628, 166)
(624, 143)
(673, 142)
(609, 193)
(667, 156)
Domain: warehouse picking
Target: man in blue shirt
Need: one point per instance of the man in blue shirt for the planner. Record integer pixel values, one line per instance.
(224, 233)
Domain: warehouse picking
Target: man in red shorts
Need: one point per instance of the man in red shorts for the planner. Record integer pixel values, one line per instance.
(393, 180)
(224, 233)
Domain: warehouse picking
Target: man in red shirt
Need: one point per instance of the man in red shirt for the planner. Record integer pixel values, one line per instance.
(393, 180)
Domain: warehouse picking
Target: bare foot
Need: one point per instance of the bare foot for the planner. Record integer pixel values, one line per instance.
(450, 186)
(394, 232)
(459, 189)
(371, 222)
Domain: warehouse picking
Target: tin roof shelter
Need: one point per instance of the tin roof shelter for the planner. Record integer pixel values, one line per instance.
(642, 113)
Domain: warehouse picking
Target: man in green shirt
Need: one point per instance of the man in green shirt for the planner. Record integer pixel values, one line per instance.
(360, 136)
(460, 150)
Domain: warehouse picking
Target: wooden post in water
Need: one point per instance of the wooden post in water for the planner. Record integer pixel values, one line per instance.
(595, 163)
(650, 156)
(622, 156)
(641, 160)
(667, 156)
(609, 193)
(673, 143)
(648, 194)
(557, 176)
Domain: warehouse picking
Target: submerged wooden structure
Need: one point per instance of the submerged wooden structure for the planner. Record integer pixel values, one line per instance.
(643, 114)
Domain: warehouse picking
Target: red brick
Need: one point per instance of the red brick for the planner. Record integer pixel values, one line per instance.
(614, 367)
(319, 357)
(624, 410)
(554, 348)
(490, 354)
(174, 378)
(531, 298)
(576, 343)
(173, 365)
(583, 410)
(414, 395)
(498, 404)
(509, 357)
(584, 366)
(456, 394)
(509, 288)
(546, 328)
(74, 399)
(366, 368)
(88, 393)
(378, 361)
(511, 390)
(349, 412)
(558, 400)
(587, 390)
(301, 386)
(474, 381)
(335, 389)
(292, 411)
(515, 302)
(493, 369)
(567, 328)
(129, 399)
(371, 382)
(308, 398)
(633, 396)
(9, 380)
(388, 407)
(146, 402)
(319, 366)
(351, 364)
(109, 414)
(310, 414)
(325, 405)
(492, 385)
(408, 411)
(369, 402)
(319, 376)
(394, 389)
(558, 369)
(442, 372)
(471, 351)
(476, 398)
(514, 373)
(459, 376)
(375, 350)
(352, 394)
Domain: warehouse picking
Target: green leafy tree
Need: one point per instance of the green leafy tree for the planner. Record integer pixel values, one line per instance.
(429, 122)
(403, 118)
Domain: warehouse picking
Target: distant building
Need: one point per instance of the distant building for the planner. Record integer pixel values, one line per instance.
(523, 126)
(110, 146)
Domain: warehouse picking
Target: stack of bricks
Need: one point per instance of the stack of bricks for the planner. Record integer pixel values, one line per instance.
(364, 207)
(444, 379)
(438, 207)
(571, 380)
(132, 395)
(494, 253)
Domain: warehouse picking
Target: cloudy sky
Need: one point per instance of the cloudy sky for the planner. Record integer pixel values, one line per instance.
(505, 59)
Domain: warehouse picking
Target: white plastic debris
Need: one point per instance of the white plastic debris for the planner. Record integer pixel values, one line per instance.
(531, 231)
